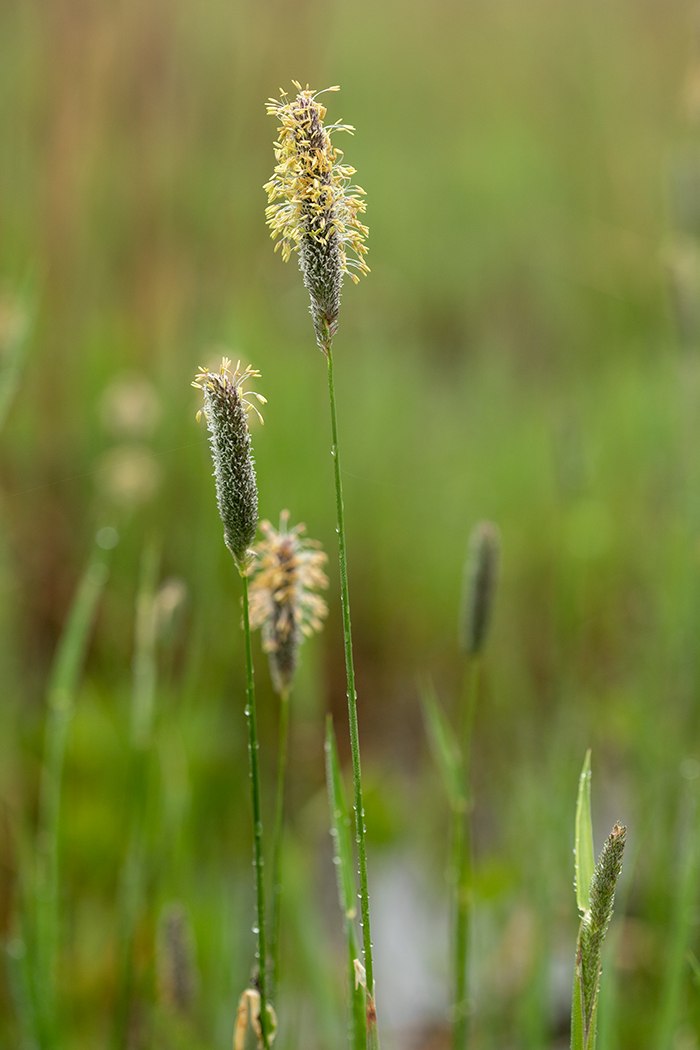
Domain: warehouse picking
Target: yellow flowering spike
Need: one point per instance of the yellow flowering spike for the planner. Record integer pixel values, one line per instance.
(314, 208)
(283, 602)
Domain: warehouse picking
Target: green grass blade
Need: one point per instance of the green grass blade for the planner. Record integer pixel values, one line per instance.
(583, 849)
(347, 887)
(133, 875)
(17, 966)
(340, 829)
(443, 745)
(64, 683)
(14, 338)
(308, 938)
(694, 965)
(144, 662)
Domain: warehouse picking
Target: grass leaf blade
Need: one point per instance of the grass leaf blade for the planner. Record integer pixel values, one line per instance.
(583, 848)
(62, 692)
(347, 887)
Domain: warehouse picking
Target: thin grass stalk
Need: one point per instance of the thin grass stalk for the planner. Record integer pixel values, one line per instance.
(259, 860)
(461, 862)
(277, 885)
(352, 708)
(63, 688)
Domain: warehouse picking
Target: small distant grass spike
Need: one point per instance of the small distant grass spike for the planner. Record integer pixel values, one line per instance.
(479, 587)
(226, 407)
(314, 209)
(176, 966)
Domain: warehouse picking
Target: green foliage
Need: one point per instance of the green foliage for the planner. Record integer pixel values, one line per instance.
(525, 349)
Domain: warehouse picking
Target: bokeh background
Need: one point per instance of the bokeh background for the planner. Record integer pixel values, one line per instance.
(526, 349)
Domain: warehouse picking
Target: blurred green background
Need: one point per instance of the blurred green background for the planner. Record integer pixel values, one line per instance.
(526, 349)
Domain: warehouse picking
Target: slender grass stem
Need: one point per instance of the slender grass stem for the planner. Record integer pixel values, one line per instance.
(352, 702)
(277, 841)
(461, 864)
(259, 860)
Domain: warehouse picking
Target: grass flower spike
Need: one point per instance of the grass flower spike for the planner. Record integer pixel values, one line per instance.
(226, 407)
(283, 598)
(314, 208)
(284, 603)
(594, 926)
(595, 896)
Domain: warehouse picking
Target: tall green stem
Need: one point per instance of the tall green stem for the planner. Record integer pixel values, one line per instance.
(277, 841)
(259, 860)
(352, 698)
(462, 862)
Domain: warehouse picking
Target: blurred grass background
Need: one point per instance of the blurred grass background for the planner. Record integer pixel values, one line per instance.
(526, 349)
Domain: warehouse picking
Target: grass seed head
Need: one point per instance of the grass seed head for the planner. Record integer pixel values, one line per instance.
(595, 922)
(283, 598)
(226, 407)
(479, 586)
(314, 209)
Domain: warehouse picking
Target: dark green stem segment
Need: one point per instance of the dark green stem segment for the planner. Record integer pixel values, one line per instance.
(259, 860)
(277, 841)
(352, 703)
(461, 865)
